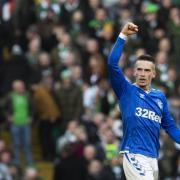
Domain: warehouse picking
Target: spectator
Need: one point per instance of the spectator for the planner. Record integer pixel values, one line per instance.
(34, 49)
(19, 115)
(70, 99)
(95, 170)
(16, 68)
(48, 115)
(69, 166)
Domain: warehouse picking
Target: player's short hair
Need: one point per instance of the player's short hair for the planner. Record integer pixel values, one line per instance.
(146, 57)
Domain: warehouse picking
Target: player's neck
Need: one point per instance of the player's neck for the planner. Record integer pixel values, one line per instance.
(144, 88)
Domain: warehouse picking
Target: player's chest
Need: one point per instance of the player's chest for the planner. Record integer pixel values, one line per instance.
(142, 107)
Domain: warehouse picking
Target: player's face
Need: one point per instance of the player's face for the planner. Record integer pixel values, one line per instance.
(144, 73)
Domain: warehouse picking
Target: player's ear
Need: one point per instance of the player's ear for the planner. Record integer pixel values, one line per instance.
(154, 74)
(154, 71)
(134, 70)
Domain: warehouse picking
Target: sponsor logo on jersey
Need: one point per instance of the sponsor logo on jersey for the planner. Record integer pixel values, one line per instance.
(148, 114)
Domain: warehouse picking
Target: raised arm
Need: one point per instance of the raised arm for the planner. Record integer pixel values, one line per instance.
(169, 125)
(116, 76)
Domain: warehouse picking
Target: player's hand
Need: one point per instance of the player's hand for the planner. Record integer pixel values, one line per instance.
(129, 29)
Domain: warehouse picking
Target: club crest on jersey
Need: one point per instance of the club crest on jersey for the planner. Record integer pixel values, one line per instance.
(159, 103)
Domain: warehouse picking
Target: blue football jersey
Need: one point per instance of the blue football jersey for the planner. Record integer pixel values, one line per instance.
(143, 113)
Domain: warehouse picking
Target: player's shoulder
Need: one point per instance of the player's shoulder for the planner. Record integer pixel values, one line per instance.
(158, 92)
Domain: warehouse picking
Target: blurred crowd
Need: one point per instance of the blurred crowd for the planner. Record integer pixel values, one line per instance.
(53, 76)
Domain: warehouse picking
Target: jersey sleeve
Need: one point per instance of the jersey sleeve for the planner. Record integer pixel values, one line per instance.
(116, 75)
(169, 125)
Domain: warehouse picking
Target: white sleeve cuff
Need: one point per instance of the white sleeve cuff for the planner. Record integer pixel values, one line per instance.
(123, 36)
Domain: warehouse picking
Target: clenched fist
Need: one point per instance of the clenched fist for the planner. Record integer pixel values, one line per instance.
(129, 29)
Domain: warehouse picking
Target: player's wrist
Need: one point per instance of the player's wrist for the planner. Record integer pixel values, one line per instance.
(123, 36)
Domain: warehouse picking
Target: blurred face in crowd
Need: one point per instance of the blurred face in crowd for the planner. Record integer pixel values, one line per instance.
(58, 31)
(18, 86)
(94, 167)
(166, 3)
(144, 73)
(92, 46)
(172, 75)
(81, 134)
(69, 59)
(100, 14)
(72, 126)
(161, 58)
(175, 14)
(66, 39)
(77, 16)
(98, 119)
(77, 72)
(67, 82)
(139, 52)
(44, 60)
(47, 80)
(89, 152)
(34, 45)
(125, 15)
(31, 33)
(5, 157)
(94, 3)
(93, 63)
(164, 44)
(109, 136)
(159, 33)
